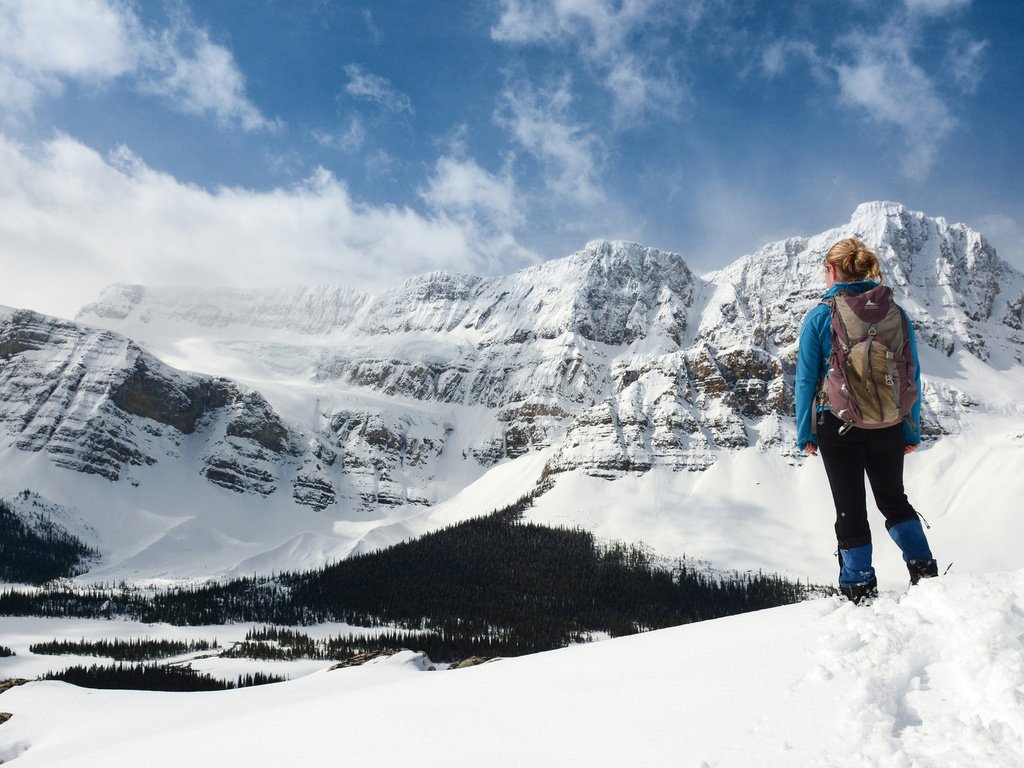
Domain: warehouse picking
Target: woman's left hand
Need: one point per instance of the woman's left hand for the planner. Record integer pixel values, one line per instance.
(910, 448)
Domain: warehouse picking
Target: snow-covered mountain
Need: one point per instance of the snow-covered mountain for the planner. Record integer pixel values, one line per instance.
(325, 420)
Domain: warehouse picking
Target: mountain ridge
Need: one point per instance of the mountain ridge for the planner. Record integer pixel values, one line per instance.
(369, 411)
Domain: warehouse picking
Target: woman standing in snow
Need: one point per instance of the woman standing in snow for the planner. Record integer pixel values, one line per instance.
(850, 452)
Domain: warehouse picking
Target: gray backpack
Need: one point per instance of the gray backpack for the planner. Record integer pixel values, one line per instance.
(870, 381)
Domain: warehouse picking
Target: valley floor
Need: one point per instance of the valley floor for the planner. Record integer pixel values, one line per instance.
(931, 679)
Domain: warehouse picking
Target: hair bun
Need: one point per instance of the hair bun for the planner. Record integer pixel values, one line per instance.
(854, 260)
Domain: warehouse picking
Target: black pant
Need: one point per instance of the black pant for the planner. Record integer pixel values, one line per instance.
(877, 452)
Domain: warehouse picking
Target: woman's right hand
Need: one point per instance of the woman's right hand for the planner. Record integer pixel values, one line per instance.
(811, 448)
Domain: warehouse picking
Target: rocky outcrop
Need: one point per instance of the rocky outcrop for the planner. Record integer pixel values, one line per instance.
(313, 490)
(384, 458)
(55, 383)
(151, 390)
(252, 418)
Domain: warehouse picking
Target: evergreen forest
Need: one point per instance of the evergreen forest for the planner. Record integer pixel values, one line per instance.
(142, 649)
(493, 585)
(153, 677)
(35, 554)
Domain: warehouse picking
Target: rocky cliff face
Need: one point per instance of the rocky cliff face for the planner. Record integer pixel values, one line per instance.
(97, 403)
(617, 358)
(56, 382)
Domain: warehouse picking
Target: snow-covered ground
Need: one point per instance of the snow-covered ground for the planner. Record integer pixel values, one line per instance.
(930, 679)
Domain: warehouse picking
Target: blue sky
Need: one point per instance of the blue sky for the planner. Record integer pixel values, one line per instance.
(296, 141)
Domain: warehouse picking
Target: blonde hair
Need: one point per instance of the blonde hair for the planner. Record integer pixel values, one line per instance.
(854, 260)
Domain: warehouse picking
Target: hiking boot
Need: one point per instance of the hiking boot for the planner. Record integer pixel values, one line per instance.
(922, 569)
(866, 591)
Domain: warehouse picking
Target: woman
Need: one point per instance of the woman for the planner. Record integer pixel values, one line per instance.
(847, 455)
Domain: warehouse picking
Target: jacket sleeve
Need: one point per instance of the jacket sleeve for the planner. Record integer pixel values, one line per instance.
(912, 434)
(808, 367)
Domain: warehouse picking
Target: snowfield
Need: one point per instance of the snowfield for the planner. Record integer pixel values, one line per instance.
(929, 679)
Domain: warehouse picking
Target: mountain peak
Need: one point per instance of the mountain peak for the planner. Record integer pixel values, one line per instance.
(115, 302)
(876, 207)
(613, 252)
(605, 246)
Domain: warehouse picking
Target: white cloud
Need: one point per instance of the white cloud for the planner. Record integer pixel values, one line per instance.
(604, 34)
(370, 26)
(523, 21)
(45, 44)
(461, 188)
(882, 79)
(777, 56)
(540, 123)
(83, 39)
(349, 139)
(605, 23)
(636, 90)
(370, 87)
(965, 58)
(380, 164)
(935, 7)
(75, 221)
(202, 78)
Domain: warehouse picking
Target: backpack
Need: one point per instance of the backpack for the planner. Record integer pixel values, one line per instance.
(870, 381)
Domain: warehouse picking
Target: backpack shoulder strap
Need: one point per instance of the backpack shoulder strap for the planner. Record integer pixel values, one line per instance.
(831, 302)
(821, 390)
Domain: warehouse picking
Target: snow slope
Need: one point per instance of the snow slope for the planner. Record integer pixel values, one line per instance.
(931, 679)
(753, 510)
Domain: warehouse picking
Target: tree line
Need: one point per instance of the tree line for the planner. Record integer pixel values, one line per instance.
(137, 649)
(153, 677)
(493, 585)
(283, 644)
(37, 554)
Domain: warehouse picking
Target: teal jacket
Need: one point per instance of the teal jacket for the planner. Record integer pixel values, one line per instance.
(812, 365)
